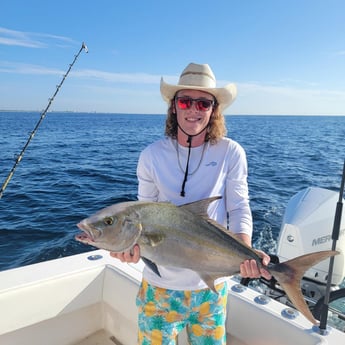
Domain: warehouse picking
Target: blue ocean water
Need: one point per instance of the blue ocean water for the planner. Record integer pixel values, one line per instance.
(80, 162)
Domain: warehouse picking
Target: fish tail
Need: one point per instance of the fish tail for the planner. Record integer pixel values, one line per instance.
(290, 273)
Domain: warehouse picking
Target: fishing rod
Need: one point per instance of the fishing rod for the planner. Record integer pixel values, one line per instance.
(43, 115)
(335, 237)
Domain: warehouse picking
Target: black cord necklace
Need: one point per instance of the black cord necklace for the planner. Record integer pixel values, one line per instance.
(189, 141)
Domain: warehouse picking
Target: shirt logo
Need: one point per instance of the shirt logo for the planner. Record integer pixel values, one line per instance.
(211, 164)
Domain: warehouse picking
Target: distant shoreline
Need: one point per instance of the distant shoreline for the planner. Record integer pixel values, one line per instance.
(110, 113)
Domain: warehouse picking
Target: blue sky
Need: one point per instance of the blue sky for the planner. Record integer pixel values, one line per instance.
(286, 57)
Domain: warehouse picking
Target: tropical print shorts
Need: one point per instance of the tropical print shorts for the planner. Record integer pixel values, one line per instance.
(163, 313)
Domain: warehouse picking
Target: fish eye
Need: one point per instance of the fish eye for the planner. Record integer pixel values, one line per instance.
(108, 220)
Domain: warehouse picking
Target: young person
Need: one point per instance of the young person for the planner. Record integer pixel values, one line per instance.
(194, 161)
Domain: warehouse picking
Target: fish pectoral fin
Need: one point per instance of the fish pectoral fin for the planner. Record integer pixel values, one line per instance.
(152, 239)
(151, 265)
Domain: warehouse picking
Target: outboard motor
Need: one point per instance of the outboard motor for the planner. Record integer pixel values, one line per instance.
(307, 227)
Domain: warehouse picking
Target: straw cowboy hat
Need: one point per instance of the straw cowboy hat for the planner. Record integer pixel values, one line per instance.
(200, 77)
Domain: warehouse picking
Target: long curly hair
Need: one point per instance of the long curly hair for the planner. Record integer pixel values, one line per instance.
(216, 127)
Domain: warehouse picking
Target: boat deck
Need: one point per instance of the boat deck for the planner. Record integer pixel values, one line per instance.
(100, 337)
(103, 337)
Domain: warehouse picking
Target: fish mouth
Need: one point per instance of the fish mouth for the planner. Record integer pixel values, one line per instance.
(85, 236)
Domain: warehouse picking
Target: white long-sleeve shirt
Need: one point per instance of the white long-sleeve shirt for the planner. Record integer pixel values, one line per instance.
(214, 170)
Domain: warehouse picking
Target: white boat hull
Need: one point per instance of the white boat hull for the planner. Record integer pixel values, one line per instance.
(78, 301)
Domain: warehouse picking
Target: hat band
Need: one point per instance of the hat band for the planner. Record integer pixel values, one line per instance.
(197, 73)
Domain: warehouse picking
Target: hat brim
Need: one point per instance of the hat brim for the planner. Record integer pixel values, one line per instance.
(224, 95)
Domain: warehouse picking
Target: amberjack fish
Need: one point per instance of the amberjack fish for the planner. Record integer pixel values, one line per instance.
(184, 236)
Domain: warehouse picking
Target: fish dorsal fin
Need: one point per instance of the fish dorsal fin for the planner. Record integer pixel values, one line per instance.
(228, 232)
(200, 207)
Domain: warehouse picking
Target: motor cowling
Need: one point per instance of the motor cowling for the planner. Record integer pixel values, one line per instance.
(307, 227)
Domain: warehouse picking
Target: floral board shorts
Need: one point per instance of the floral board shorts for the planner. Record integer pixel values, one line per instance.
(163, 313)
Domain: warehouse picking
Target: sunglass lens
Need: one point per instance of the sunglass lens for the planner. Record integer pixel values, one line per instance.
(201, 104)
(184, 103)
(204, 104)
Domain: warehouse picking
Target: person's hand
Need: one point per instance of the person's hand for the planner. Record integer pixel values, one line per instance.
(130, 256)
(250, 269)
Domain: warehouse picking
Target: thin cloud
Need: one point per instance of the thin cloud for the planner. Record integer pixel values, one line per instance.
(289, 90)
(128, 78)
(20, 68)
(31, 39)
